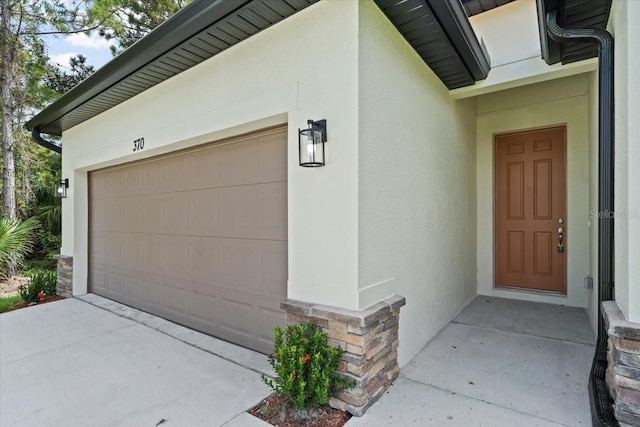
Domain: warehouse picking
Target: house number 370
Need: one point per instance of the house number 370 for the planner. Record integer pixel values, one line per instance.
(138, 144)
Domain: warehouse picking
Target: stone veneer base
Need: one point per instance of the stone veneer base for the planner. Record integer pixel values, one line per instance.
(369, 339)
(64, 284)
(623, 360)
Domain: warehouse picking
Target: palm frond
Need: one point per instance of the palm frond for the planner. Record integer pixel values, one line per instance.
(16, 241)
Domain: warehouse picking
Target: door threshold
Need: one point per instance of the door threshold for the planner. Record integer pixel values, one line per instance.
(531, 291)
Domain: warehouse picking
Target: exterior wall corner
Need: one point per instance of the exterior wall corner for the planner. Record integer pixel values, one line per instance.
(623, 360)
(370, 342)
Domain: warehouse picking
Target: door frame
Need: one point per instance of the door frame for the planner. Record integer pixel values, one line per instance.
(494, 257)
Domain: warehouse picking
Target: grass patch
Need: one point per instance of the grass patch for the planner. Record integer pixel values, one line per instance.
(8, 301)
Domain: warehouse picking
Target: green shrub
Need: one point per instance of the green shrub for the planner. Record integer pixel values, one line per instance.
(305, 366)
(44, 280)
(16, 241)
(43, 283)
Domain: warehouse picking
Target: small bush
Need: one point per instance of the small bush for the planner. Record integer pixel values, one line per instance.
(305, 366)
(44, 280)
(42, 284)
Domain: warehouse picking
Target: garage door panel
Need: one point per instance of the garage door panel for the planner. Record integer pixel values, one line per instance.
(203, 310)
(198, 237)
(114, 283)
(204, 169)
(151, 178)
(151, 300)
(265, 332)
(175, 176)
(236, 317)
(176, 257)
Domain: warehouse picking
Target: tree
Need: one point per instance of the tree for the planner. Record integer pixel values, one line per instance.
(23, 61)
(8, 48)
(127, 21)
(61, 81)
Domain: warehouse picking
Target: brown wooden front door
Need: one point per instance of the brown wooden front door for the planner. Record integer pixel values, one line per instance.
(530, 210)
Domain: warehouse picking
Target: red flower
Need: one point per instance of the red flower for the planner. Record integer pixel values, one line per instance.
(42, 299)
(306, 358)
(294, 373)
(41, 295)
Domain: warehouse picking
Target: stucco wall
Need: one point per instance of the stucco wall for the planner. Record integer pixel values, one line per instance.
(623, 25)
(557, 102)
(416, 185)
(302, 68)
(509, 32)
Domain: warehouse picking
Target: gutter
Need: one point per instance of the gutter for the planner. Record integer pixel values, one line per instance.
(601, 408)
(37, 137)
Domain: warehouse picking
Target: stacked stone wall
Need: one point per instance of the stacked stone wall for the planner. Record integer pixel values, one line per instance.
(623, 368)
(64, 284)
(369, 339)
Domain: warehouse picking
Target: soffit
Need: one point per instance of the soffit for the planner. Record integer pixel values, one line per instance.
(572, 14)
(196, 33)
(475, 7)
(441, 34)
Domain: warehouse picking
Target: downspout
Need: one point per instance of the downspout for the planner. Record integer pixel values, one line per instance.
(37, 137)
(601, 408)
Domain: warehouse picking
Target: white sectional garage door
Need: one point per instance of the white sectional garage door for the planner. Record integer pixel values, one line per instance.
(198, 237)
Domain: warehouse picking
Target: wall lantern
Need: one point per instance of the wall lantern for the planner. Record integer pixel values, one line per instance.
(311, 143)
(61, 188)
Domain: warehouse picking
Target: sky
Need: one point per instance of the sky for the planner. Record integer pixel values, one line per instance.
(94, 48)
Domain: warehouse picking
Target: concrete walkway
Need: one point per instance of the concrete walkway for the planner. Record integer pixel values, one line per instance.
(499, 363)
(93, 362)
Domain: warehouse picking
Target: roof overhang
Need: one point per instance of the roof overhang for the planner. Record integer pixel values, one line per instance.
(476, 7)
(441, 34)
(571, 14)
(438, 30)
(196, 33)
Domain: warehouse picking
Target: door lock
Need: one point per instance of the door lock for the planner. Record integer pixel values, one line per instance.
(560, 236)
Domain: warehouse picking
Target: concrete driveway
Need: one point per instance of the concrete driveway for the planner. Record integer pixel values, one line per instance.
(70, 363)
(94, 362)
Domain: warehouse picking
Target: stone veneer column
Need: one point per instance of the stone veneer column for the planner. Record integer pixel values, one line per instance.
(64, 285)
(623, 370)
(369, 339)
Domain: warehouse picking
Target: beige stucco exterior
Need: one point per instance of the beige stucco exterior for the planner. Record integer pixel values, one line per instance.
(623, 25)
(557, 102)
(405, 203)
(416, 185)
(266, 80)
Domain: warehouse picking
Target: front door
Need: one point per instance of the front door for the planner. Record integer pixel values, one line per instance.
(530, 210)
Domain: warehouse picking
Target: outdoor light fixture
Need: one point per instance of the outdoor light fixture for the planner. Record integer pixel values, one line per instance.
(311, 143)
(61, 188)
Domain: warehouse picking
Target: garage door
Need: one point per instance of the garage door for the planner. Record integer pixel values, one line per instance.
(198, 237)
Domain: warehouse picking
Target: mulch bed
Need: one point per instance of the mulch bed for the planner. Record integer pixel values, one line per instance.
(276, 411)
(23, 304)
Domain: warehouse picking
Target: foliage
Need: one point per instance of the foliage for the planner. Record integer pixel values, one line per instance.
(44, 280)
(42, 285)
(7, 302)
(62, 81)
(16, 241)
(127, 21)
(305, 366)
(23, 62)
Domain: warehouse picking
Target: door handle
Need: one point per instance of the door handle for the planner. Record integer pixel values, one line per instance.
(560, 236)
